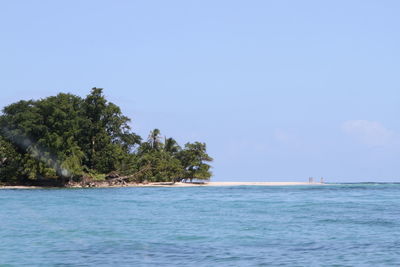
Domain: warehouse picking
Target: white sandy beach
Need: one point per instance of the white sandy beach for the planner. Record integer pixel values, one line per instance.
(231, 184)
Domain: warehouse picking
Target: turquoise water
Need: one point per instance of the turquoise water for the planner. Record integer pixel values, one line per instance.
(336, 225)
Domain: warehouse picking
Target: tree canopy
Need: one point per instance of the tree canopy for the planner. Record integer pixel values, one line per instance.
(66, 138)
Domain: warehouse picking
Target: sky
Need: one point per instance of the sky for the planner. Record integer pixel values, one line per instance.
(279, 90)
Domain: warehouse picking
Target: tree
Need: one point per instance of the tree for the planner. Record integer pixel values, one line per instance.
(154, 140)
(9, 159)
(161, 158)
(161, 167)
(193, 158)
(171, 146)
(107, 137)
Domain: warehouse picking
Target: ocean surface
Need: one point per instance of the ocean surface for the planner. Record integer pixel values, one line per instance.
(334, 225)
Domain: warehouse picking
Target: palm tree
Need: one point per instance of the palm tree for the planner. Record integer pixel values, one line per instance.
(171, 146)
(154, 139)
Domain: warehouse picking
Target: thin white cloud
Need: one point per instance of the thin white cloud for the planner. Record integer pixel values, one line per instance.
(371, 133)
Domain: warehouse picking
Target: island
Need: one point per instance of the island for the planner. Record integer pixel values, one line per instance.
(70, 141)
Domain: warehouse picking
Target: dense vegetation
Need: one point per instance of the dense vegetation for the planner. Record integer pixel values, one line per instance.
(65, 139)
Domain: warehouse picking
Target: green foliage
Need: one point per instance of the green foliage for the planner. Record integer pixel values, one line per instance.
(171, 146)
(9, 160)
(97, 176)
(66, 137)
(169, 162)
(194, 160)
(164, 167)
(106, 134)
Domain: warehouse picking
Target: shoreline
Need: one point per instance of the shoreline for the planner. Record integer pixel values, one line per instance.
(166, 184)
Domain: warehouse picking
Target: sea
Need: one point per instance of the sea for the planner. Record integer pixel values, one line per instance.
(331, 225)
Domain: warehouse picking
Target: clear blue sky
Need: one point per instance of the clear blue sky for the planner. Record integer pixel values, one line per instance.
(279, 90)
